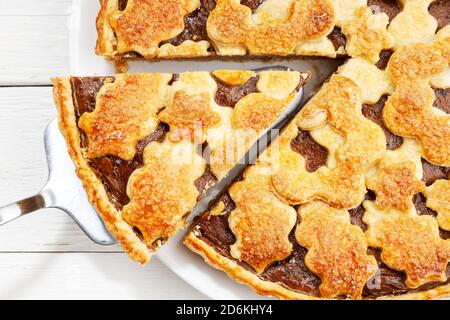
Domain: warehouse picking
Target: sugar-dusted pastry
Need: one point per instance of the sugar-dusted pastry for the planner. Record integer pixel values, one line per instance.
(139, 141)
(365, 165)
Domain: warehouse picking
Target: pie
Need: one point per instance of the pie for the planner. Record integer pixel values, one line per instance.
(148, 146)
(203, 28)
(351, 201)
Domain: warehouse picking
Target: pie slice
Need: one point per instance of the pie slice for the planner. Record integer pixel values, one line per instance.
(352, 200)
(148, 146)
(202, 28)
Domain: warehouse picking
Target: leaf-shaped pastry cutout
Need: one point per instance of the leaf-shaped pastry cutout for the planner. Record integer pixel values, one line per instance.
(125, 113)
(409, 111)
(409, 243)
(233, 30)
(260, 222)
(337, 250)
(163, 191)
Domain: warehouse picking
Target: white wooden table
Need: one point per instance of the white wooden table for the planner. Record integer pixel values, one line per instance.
(45, 255)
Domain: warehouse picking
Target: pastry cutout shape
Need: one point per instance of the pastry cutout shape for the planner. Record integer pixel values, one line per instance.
(261, 222)
(258, 111)
(414, 24)
(438, 199)
(367, 34)
(409, 111)
(233, 30)
(189, 116)
(234, 78)
(397, 177)
(373, 82)
(144, 24)
(125, 113)
(338, 104)
(337, 250)
(345, 10)
(394, 185)
(409, 243)
(252, 114)
(162, 192)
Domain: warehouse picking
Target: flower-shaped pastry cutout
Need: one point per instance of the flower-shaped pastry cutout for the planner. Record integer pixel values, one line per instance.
(144, 24)
(337, 250)
(395, 183)
(413, 24)
(409, 111)
(234, 31)
(367, 34)
(163, 191)
(260, 222)
(189, 116)
(409, 243)
(438, 199)
(125, 113)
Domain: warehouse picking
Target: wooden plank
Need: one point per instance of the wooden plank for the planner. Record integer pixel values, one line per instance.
(34, 7)
(34, 37)
(87, 276)
(24, 114)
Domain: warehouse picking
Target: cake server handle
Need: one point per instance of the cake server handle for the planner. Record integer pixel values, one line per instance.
(20, 208)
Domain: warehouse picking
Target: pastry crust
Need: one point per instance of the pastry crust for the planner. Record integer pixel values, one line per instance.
(360, 173)
(236, 272)
(156, 210)
(106, 38)
(95, 190)
(287, 27)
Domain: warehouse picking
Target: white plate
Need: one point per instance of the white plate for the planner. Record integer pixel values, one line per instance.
(83, 62)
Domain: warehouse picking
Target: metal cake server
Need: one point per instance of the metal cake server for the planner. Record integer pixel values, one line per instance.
(64, 190)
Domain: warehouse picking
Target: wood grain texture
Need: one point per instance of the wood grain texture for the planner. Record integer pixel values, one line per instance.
(87, 276)
(34, 39)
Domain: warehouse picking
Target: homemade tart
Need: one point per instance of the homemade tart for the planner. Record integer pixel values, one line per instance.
(351, 201)
(201, 28)
(147, 146)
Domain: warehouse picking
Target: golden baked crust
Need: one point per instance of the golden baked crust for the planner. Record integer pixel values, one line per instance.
(191, 112)
(162, 189)
(260, 222)
(125, 113)
(157, 29)
(155, 190)
(337, 250)
(338, 104)
(361, 172)
(96, 193)
(438, 199)
(268, 288)
(362, 206)
(409, 110)
(409, 242)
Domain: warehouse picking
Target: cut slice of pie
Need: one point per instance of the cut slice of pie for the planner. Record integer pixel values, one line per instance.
(201, 28)
(148, 146)
(352, 200)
